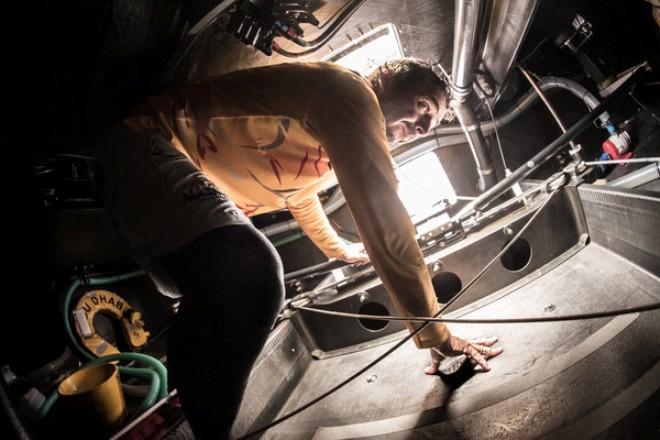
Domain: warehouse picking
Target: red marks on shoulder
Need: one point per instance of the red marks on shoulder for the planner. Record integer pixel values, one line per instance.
(318, 161)
(276, 166)
(303, 162)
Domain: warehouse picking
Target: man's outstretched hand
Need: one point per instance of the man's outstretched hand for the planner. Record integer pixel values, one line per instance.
(355, 253)
(477, 351)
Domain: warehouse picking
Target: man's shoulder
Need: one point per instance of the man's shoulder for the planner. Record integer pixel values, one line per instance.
(320, 72)
(312, 67)
(340, 83)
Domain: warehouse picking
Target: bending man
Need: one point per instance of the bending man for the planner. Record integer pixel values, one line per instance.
(181, 174)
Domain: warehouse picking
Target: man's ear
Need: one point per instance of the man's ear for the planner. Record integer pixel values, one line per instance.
(449, 115)
(384, 79)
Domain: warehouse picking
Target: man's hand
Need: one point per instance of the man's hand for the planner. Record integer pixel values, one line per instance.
(477, 350)
(355, 253)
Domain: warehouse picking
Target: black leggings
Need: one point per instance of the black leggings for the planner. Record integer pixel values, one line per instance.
(232, 285)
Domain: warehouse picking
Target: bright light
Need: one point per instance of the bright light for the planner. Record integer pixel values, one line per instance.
(422, 184)
(370, 50)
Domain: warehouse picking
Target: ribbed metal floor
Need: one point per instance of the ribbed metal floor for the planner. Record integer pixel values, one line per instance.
(562, 380)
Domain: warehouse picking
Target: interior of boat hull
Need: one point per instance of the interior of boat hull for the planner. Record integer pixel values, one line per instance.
(538, 222)
(572, 379)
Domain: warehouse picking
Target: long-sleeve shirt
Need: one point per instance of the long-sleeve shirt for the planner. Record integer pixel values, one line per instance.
(272, 137)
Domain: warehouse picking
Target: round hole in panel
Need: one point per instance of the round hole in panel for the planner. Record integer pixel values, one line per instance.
(518, 256)
(373, 308)
(446, 286)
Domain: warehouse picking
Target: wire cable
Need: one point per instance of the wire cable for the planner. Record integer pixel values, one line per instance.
(322, 39)
(545, 100)
(335, 15)
(574, 317)
(497, 133)
(623, 161)
(405, 339)
(341, 18)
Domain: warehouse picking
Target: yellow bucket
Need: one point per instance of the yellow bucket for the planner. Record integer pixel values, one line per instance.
(95, 393)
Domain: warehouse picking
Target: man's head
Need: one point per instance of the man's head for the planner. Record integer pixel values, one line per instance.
(412, 97)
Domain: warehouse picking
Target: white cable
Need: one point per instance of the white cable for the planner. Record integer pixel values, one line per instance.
(620, 161)
(497, 134)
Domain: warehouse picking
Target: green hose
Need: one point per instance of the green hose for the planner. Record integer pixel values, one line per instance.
(48, 404)
(138, 357)
(152, 394)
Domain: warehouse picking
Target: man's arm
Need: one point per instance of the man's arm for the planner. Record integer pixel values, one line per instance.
(347, 121)
(313, 221)
(306, 208)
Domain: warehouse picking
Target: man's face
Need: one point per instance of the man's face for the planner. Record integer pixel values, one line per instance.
(407, 117)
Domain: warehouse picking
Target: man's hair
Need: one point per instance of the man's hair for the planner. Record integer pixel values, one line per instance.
(406, 75)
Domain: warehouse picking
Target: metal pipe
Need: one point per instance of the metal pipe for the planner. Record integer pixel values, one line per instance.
(581, 92)
(484, 199)
(545, 100)
(478, 146)
(469, 19)
(639, 177)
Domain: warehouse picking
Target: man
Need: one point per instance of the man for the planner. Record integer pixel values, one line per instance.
(263, 139)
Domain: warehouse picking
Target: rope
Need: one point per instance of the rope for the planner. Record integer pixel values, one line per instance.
(405, 339)
(575, 317)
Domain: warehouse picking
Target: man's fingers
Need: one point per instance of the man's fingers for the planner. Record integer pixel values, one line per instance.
(484, 341)
(477, 350)
(477, 354)
(487, 352)
(492, 352)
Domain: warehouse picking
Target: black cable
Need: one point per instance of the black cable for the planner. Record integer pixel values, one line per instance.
(322, 39)
(405, 339)
(288, 54)
(335, 15)
(343, 16)
(575, 317)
